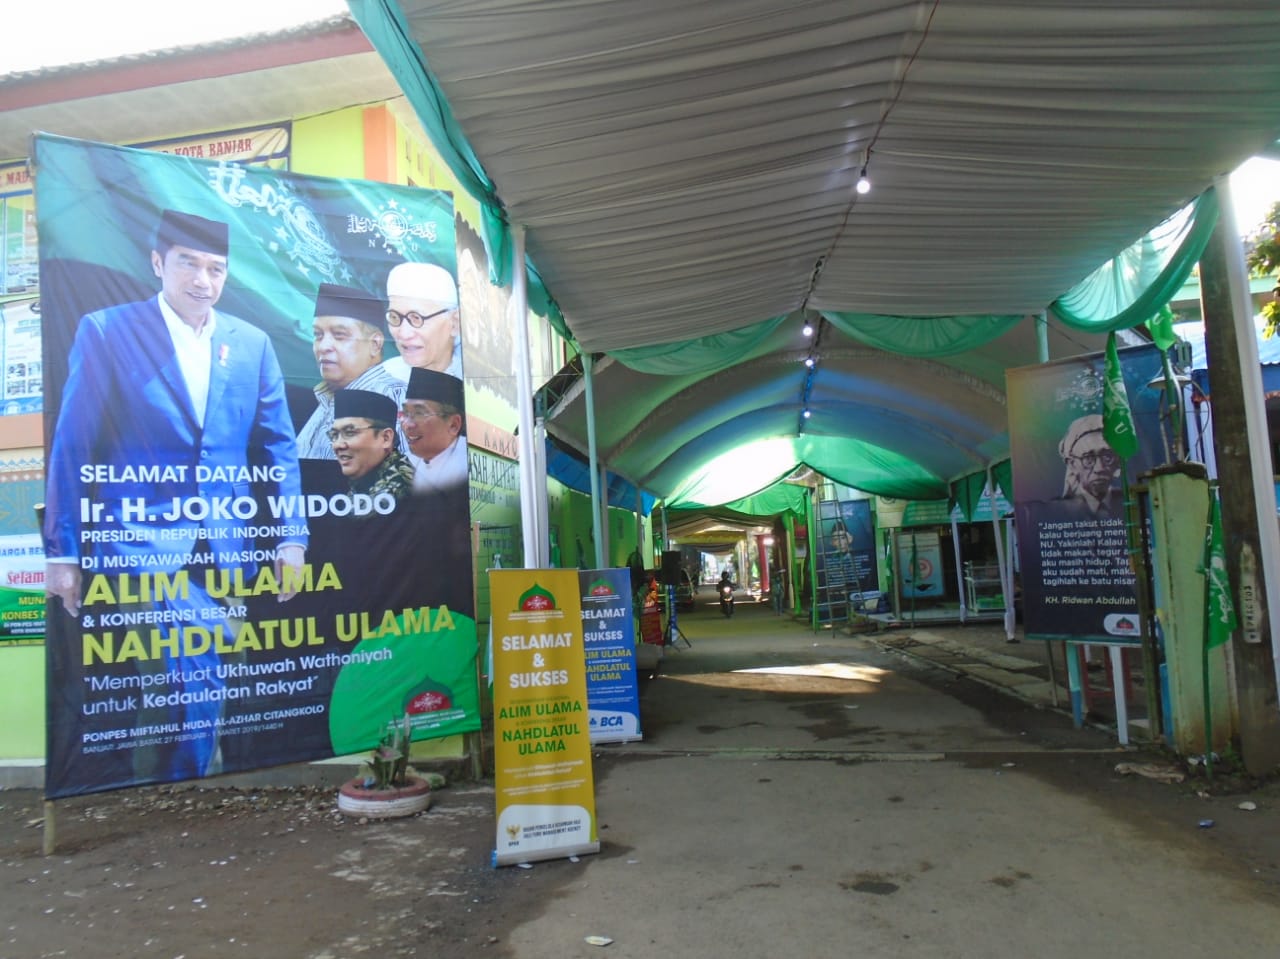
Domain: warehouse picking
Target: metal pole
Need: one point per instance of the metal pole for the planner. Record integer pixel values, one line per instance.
(955, 542)
(603, 551)
(1005, 592)
(593, 460)
(812, 559)
(639, 523)
(518, 311)
(540, 500)
(1042, 336)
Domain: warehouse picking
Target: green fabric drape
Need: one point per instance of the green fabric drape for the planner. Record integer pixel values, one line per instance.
(1003, 473)
(758, 466)
(705, 354)
(781, 497)
(707, 488)
(867, 467)
(1137, 283)
(966, 492)
(1126, 291)
(383, 23)
(922, 336)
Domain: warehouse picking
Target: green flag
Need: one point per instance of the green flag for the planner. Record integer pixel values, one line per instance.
(1117, 419)
(1160, 327)
(1222, 611)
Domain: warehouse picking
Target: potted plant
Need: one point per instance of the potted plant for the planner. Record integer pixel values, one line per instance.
(389, 788)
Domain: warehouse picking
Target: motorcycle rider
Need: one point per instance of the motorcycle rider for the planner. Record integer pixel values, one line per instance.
(725, 589)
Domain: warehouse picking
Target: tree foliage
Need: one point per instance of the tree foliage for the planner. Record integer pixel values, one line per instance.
(1262, 254)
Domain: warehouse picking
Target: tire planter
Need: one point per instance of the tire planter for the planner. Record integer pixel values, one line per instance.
(408, 800)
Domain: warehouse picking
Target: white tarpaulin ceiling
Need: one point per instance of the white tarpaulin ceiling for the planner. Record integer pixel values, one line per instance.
(688, 168)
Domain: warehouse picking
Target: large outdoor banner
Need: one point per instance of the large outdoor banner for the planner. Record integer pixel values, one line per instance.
(544, 786)
(256, 528)
(919, 564)
(609, 641)
(847, 562)
(1068, 500)
(21, 588)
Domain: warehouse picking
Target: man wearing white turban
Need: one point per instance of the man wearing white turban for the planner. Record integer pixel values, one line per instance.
(422, 315)
(1091, 467)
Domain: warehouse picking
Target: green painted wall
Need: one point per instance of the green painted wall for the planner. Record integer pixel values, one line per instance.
(330, 145)
(22, 704)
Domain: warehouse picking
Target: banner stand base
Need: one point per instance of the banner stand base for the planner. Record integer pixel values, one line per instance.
(537, 855)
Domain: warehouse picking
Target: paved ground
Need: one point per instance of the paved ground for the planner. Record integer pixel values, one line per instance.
(796, 793)
(1031, 670)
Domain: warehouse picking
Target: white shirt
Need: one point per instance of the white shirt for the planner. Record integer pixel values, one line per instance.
(445, 470)
(313, 438)
(398, 368)
(195, 354)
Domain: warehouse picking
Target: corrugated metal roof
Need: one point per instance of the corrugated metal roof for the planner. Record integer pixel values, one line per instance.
(311, 28)
(262, 78)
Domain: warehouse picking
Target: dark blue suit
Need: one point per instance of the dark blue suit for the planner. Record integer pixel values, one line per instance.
(126, 406)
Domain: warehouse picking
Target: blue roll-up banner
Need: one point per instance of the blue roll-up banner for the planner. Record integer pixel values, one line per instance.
(609, 634)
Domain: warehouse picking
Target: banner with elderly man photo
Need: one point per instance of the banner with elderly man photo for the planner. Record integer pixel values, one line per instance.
(256, 516)
(1068, 496)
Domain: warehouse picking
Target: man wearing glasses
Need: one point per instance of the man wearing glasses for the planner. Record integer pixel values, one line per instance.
(348, 333)
(434, 422)
(1091, 469)
(363, 440)
(422, 314)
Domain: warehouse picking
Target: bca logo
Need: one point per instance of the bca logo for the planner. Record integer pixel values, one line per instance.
(610, 721)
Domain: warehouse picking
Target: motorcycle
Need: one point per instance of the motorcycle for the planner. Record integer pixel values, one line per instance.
(726, 598)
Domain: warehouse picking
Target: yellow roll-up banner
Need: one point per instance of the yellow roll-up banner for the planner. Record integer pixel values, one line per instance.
(544, 786)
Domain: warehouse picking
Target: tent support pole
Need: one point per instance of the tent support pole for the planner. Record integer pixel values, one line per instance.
(518, 311)
(540, 490)
(593, 460)
(1005, 592)
(811, 558)
(955, 543)
(640, 525)
(603, 550)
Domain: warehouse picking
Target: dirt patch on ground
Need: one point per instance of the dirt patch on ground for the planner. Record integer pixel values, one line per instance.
(192, 872)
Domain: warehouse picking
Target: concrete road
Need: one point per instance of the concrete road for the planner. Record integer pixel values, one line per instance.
(802, 794)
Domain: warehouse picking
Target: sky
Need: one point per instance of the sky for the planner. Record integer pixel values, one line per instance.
(121, 27)
(1255, 186)
(116, 28)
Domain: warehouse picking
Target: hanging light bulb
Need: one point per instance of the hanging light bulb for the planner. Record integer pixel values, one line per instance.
(864, 182)
(806, 412)
(809, 361)
(808, 328)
